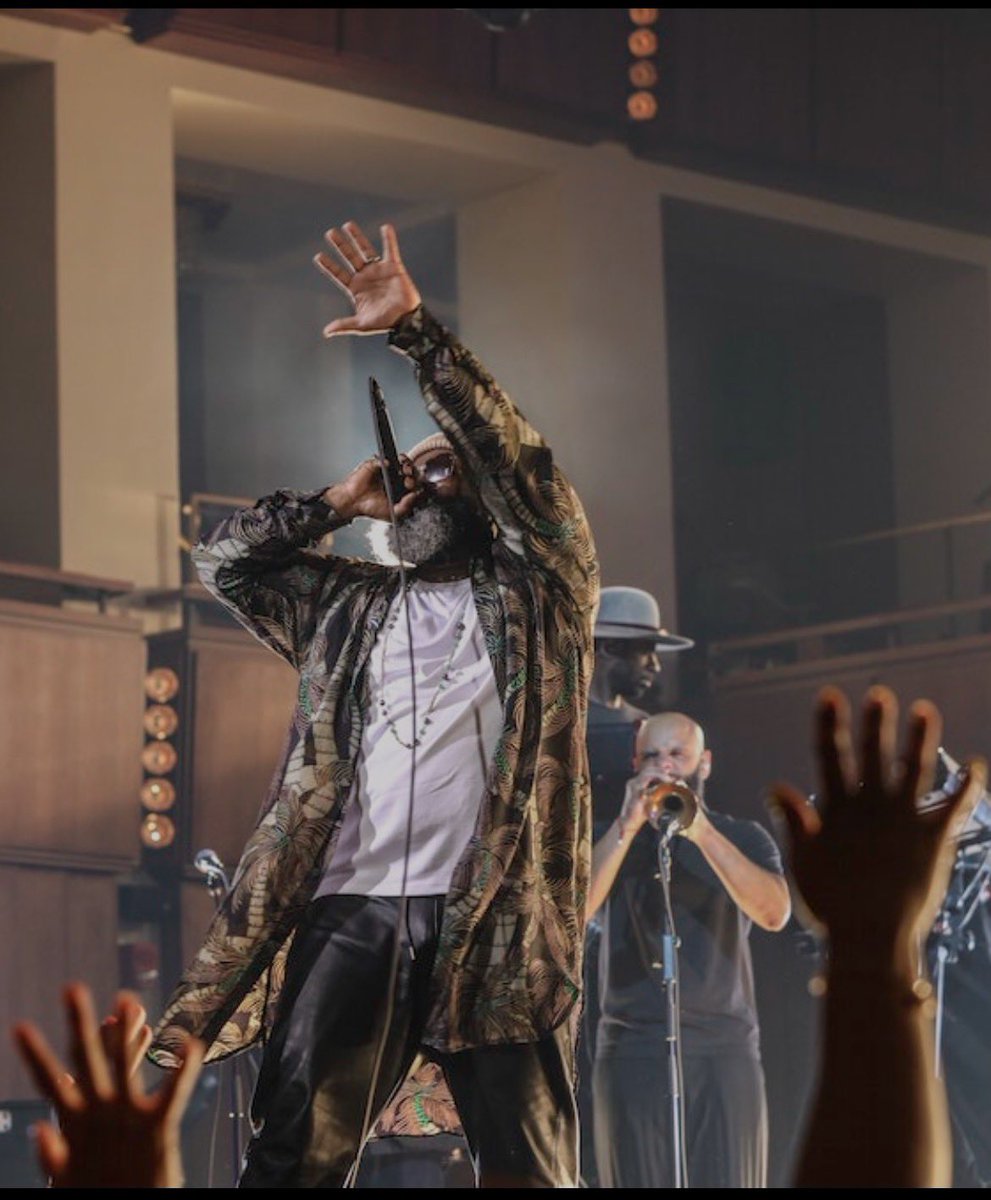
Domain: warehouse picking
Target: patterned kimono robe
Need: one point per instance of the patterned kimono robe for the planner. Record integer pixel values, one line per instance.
(508, 964)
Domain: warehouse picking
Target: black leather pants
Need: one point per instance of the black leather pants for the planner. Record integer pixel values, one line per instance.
(516, 1102)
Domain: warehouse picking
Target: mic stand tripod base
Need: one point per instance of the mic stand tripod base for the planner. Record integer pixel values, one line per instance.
(229, 1076)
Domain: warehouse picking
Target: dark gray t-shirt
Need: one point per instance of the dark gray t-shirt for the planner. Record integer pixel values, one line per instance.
(718, 1011)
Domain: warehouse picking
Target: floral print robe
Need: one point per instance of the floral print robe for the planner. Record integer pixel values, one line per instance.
(509, 961)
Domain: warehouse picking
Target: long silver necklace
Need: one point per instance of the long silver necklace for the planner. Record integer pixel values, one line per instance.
(447, 675)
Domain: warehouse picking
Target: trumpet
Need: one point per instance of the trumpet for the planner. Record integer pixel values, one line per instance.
(672, 804)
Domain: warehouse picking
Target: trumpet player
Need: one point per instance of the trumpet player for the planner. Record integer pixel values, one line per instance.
(726, 875)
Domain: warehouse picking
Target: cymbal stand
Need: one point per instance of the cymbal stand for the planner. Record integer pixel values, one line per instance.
(953, 937)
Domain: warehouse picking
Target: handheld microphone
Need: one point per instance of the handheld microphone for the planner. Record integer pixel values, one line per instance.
(386, 439)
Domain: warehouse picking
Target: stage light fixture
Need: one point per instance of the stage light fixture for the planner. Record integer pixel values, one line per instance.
(158, 758)
(642, 106)
(157, 831)
(157, 795)
(143, 24)
(161, 684)
(642, 43)
(643, 73)
(502, 20)
(160, 720)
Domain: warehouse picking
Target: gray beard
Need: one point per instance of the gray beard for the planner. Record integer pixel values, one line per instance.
(433, 533)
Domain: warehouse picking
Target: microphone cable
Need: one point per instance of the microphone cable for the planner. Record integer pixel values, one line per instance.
(402, 913)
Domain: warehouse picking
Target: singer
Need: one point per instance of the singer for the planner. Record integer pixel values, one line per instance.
(726, 874)
(482, 872)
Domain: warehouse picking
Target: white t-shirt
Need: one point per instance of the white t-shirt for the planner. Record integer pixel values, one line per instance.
(452, 760)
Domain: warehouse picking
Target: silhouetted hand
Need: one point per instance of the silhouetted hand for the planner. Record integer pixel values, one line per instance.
(112, 1134)
(377, 285)
(871, 866)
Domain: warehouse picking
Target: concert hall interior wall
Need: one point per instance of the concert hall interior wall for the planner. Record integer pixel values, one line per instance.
(599, 280)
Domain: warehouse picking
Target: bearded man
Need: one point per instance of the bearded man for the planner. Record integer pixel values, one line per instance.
(726, 876)
(374, 919)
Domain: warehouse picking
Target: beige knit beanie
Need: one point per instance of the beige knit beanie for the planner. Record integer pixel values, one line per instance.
(436, 441)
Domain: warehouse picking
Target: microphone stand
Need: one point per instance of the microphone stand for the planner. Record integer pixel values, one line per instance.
(669, 981)
(229, 1073)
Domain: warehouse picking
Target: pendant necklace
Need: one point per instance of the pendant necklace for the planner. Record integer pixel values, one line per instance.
(447, 674)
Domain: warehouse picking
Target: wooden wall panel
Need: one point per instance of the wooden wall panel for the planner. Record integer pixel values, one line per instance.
(739, 79)
(887, 107)
(312, 29)
(570, 58)
(244, 702)
(58, 926)
(877, 94)
(448, 46)
(762, 731)
(70, 732)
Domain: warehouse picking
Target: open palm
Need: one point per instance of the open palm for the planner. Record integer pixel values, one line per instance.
(871, 865)
(378, 286)
(110, 1133)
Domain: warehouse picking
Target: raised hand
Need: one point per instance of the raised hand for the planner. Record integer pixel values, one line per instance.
(638, 804)
(125, 1031)
(111, 1134)
(377, 285)
(871, 866)
(362, 493)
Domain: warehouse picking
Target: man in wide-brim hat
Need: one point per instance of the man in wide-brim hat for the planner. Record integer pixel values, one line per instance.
(629, 640)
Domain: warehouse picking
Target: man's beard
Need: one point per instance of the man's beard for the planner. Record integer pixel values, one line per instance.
(696, 782)
(434, 532)
(627, 681)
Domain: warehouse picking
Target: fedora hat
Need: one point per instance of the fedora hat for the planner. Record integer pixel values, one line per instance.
(627, 612)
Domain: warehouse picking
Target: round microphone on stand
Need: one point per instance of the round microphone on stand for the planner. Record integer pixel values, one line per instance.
(208, 863)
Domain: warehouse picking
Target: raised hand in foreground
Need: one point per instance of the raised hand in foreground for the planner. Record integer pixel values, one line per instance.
(126, 1031)
(872, 867)
(111, 1134)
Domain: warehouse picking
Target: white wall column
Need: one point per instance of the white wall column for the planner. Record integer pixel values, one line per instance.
(118, 412)
(561, 292)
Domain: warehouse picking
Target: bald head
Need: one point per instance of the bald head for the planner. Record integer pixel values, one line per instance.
(673, 745)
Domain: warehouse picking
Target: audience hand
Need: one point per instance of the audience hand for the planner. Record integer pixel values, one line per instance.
(111, 1134)
(871, 866)
(127, 1022)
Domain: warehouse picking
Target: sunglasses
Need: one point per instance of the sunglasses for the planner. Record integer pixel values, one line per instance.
(438, 468)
